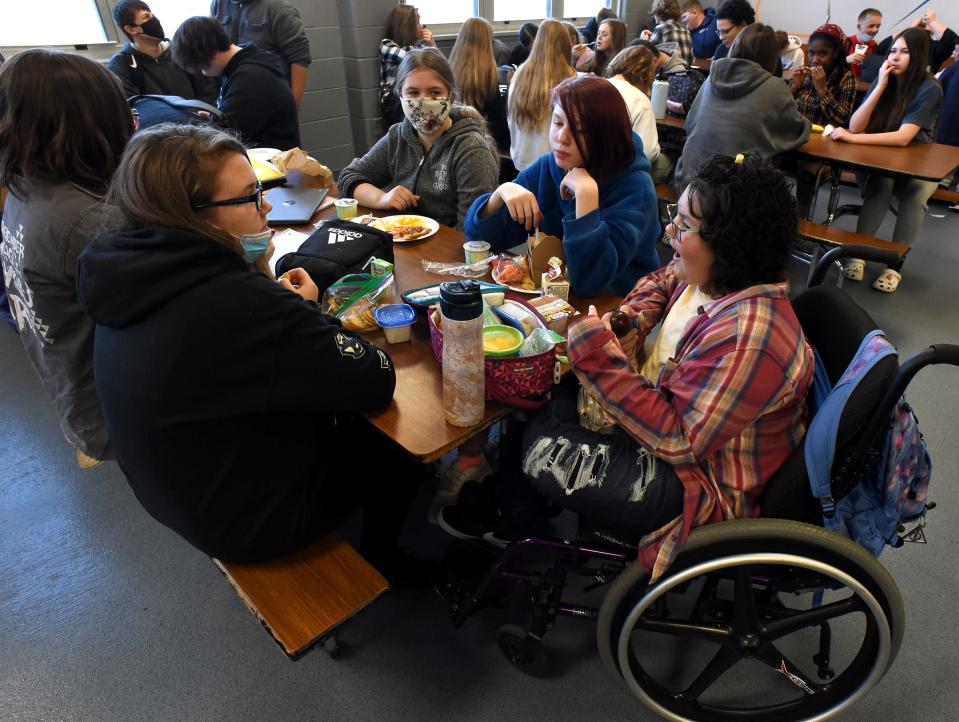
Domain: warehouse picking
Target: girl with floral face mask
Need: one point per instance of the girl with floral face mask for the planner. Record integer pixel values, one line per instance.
(434, 162)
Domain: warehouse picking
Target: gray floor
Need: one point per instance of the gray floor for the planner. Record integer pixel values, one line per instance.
(104, 614)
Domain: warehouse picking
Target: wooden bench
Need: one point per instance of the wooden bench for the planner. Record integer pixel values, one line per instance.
(666, 193)
(301, 599)
(946, 196)
(829, 235)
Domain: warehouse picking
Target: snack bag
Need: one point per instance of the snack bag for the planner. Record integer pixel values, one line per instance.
(353, 298)
(512, 271)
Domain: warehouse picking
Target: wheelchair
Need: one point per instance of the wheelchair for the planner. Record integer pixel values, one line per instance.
(743, 624)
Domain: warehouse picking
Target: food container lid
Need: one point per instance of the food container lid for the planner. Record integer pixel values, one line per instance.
(394, 314)
(501, 341)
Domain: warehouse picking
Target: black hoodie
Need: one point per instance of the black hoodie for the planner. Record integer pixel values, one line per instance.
(256, 95)
(142, 74)
(220, 389)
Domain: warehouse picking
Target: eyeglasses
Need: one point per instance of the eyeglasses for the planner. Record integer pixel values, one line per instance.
(255, 197)
(672, 210)
(723, 33)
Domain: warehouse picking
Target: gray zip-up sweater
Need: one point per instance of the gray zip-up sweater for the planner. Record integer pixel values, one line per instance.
(458, 168)
(740, 109)
(42, 236)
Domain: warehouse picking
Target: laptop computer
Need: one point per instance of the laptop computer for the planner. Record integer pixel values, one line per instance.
(294, 206)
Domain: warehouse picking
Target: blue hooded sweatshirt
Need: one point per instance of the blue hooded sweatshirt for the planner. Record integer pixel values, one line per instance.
(608, 249)
(705, 40)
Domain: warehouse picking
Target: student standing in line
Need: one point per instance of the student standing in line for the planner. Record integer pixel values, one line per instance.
(253, 92)
(64, 121)
(145, 65)
(669, 29)
(529, 105)
(274, 26)
(742, 107)
(404, 32)
(901, 107)
(702, 28)
(474, 69)
(867, 28)
(732, 18)
(437, 160)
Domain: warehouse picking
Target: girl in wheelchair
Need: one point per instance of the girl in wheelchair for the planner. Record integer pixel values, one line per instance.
(697, 426)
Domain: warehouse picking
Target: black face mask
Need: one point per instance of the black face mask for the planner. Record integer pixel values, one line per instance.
(153, 28)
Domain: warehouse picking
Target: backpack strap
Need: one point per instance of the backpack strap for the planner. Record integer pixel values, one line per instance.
(819, 447)
(189, 104)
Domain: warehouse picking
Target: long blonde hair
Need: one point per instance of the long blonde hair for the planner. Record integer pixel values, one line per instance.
(637, 65)
(474, 66)
(549, 64)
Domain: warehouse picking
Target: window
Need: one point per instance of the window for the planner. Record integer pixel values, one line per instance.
(582, 8)
(173, 12)
(443, 12)
(520, 10)
(53, 22)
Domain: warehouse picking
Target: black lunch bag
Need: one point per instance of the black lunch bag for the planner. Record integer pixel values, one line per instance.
(336, 249)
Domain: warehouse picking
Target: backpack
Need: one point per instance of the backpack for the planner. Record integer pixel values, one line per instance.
(894, 489)
(683, 87)
(156, 109)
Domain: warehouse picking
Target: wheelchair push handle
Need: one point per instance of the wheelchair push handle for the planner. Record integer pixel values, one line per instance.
(849, 250)
(945, 353)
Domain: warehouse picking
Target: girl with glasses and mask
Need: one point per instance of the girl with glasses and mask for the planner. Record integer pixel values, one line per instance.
(64, 121)
(437, 160)
(232, 399)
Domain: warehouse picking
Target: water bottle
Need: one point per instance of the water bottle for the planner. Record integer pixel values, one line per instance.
(464, 381)
(658, 98)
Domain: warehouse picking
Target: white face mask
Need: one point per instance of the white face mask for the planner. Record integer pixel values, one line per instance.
(427, 115)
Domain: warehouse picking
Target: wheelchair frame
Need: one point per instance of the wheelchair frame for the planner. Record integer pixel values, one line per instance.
(753, 555)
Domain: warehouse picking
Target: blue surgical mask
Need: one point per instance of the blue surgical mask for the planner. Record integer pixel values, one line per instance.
(255, 244)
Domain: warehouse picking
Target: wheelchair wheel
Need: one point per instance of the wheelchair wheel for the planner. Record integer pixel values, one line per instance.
(733, 629)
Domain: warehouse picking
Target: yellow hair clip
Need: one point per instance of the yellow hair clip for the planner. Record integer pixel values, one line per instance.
(739, 159)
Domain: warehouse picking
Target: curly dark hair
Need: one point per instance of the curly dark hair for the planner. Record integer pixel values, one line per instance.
(196, 42)
(738, 12)
(747, 215)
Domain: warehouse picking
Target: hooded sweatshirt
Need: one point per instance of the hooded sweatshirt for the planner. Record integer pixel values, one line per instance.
(221, 389)
(256, 95)
(792, 57)
(705, 40)
(740, 109)
(457, 168)
(142, 74)
(608, 249)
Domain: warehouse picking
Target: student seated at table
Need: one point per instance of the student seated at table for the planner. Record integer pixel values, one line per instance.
(436, 161)
(520, 52)
(144, 65)
(702, 422)
(474, 69)
(742, 106)
(254, 93)
(942, 41)
(591, 29)
(684, 81)
(610, 39)
(631, 73)
(593, 190)
(867, 28)
(528, 104)
(404, 32)
(901, 107)
(732, 17)
(64, 121)
(669, 29)
(949, 122)
(233, 401)
(791, 54)
(701, 24)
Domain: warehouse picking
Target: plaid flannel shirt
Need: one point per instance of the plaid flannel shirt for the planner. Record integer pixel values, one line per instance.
(673, 31)
(391, 55)
(728, 408)
(835, 107)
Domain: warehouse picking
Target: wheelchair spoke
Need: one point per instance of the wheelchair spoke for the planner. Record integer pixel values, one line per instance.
(698, 630)
(771, 656)
(810, 617)
(723, 660)
(744, 611)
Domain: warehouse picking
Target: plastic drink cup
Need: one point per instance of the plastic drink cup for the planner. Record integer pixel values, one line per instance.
(396, 320)
(861, 49)
(345, 208)
(476, 251)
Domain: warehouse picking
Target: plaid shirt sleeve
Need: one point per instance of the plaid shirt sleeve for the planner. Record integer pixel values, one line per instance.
(835, 107)
(672, 31)
(391, 55)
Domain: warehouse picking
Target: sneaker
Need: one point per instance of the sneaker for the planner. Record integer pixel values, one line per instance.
(86, 462)
(467, 521)
(451, 482)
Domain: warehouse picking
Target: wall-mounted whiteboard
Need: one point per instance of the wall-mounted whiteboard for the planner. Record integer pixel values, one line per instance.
(50, 22)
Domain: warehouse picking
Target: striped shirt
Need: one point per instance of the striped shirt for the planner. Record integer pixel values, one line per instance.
(835, 107)
(728, 408)
(673, 31)
(391, 55)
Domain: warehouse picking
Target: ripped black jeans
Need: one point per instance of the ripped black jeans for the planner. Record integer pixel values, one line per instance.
(609, 479)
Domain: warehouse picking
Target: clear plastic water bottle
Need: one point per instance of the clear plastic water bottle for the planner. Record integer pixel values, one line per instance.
(464, 383)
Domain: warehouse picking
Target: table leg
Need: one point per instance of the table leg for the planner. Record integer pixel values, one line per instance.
(833, 195)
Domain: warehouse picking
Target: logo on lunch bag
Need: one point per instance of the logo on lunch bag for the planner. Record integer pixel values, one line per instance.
(339, 235)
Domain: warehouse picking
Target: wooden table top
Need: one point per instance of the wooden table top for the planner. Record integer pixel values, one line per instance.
(415, 419)
(926, 161)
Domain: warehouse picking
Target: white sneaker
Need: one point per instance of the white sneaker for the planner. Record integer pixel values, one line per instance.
(451, 481)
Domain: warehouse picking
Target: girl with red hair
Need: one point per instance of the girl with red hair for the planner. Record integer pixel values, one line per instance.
(593, 189)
